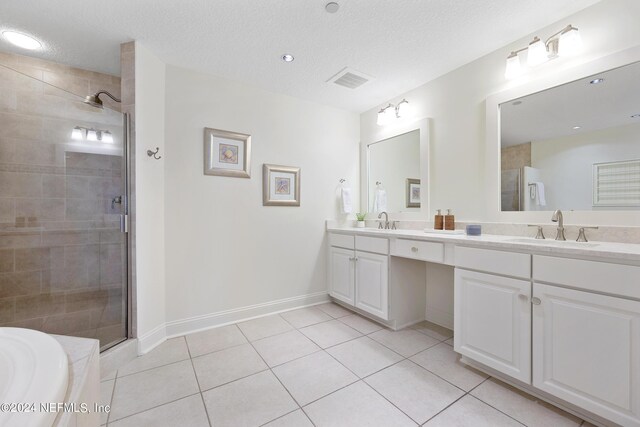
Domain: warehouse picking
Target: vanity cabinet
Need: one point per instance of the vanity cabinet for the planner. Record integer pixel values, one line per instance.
(359, 273)
(586, 346)
(372, 284)
(492, 321)
(492, 313)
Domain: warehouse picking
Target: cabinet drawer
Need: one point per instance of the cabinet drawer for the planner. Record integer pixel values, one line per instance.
(341, 240)
(372, 244)
(426, 251)
(499, 262)
(589, 275)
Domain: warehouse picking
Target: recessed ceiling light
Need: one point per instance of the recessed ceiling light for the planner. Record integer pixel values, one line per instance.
(576, 127)
(22, 40)
(597, 81)
(287, 57)
(332, 7)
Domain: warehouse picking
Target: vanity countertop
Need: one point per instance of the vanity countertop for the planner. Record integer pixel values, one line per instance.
(627, 253)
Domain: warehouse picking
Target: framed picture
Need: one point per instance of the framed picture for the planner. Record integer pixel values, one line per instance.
(280, 185)
(413, 193)
(227, 153)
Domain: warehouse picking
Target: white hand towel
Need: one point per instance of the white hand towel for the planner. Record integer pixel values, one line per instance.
(346, 204)
(380, 200)
(540, 199)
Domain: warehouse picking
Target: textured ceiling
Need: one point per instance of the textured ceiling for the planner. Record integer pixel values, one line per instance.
(402, 43)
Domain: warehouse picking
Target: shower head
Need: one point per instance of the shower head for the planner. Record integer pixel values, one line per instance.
(95, 101)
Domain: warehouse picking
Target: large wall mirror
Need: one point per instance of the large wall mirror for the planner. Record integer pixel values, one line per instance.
(393, 183)
(575, 146)
(394, 170)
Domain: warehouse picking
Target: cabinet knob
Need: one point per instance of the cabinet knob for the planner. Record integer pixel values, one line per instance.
(414, 249)
(536, 301)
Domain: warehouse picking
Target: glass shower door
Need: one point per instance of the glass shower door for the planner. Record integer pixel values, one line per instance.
(63, 255)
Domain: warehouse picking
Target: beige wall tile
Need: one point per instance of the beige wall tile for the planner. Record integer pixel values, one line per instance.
(42, 305)
(20, 184)
(6, 260)
(7, 310)
(20, 283)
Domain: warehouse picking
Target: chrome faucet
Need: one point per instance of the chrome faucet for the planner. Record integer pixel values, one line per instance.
(386, 221)
(557, 217)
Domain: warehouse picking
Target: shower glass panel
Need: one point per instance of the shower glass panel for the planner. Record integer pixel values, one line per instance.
(63, 256)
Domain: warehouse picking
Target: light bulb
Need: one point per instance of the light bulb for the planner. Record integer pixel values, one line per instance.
(92, 135)
(107, 137)
(404, 109)
(77, 133)
(570, 42)
(390, 114)
(536, 53)
(513, 68)
(22, 40)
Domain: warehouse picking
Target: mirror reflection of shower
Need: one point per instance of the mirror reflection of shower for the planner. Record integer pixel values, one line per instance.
(95, 101)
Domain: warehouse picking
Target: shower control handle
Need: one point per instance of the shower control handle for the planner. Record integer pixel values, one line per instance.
(118, 200)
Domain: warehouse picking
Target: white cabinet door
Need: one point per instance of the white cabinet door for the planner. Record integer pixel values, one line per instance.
(372, 284)
(342, 274)
(492, 322)
(586, 350)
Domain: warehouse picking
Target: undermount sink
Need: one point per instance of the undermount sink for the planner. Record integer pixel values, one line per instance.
(33, 369)
(549, 242)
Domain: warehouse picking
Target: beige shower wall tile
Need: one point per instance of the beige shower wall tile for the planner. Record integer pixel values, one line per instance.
(20, 283)
(6, 260)
(31, 259)
(14, 184)
(41, 305)
(20, 126)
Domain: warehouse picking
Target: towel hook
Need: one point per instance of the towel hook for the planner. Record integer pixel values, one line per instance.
(154, 153)
(378, 183)
(342, 180)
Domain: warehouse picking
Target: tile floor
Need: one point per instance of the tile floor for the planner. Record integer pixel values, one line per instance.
(316, 366)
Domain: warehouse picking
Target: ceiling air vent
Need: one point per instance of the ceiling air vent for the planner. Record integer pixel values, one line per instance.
(350, 78)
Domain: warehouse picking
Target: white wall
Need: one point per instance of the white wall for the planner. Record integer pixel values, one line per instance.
(566, 164)
(149, 194)
(224, 250)
(456, 104)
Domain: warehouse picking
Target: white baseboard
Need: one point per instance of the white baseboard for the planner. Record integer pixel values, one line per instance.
(152, 339)
(439, 317)
(175, 328)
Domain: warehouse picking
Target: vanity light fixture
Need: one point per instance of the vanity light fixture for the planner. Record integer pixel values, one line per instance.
(77, 133)
(287, 57)
(92, 135)
(635, 116)
(596, 81)
(563, 43)
(106, 136)
(576, 127)
(22, 40)
(391, 113)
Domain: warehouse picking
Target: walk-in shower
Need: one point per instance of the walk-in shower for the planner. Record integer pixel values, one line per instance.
(63, 201)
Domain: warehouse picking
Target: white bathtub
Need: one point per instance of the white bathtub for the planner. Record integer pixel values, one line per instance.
(34, 369)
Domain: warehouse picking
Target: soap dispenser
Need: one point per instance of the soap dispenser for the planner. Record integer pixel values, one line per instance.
(449, 221)
(438, 221)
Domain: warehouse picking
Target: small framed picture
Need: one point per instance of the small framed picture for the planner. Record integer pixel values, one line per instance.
(227, 153)
(413, 193)
(280, 185)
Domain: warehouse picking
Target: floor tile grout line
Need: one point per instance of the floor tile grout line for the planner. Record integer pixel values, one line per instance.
(442, 378)
(195, 374)
(393, 404)
(113, 392)
(502, 412)
(274, 374)
(155, 367)
(155, 407)
(458, 399)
